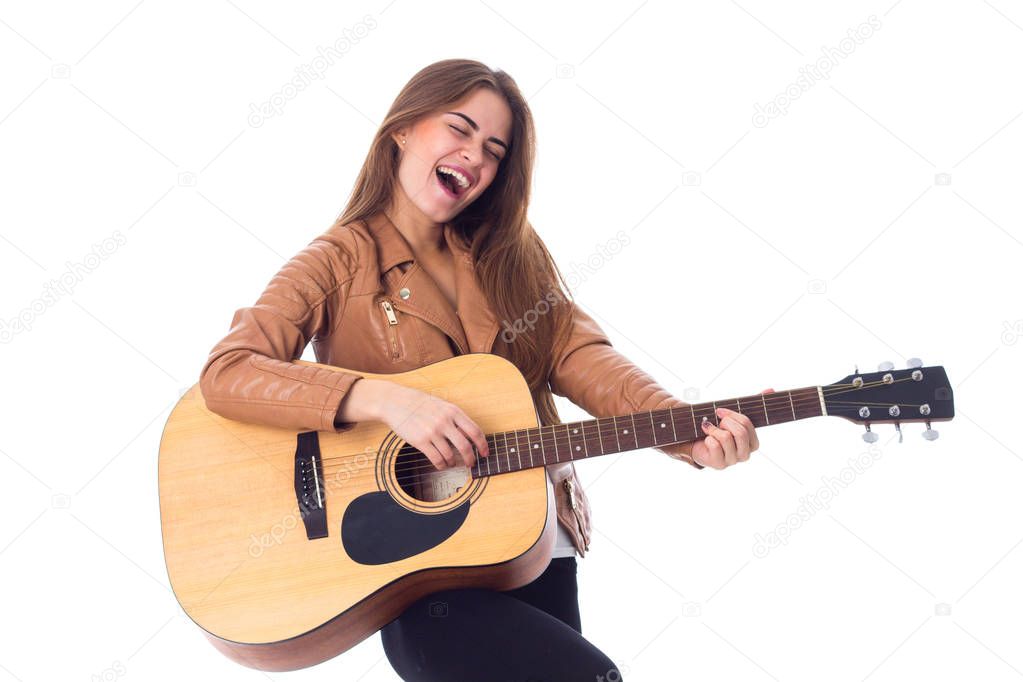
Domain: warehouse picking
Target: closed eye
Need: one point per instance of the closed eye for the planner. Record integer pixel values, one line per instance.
(462, 132)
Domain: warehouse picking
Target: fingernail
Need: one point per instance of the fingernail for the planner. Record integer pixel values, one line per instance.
(706, 423)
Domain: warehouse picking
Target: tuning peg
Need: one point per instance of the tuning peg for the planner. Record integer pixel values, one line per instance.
(899, 429)
(913, 363)
(929, 434)
(885, 366)
(869, 436)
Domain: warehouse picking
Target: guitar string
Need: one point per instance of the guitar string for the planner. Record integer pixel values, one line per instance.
(773, 400)
(605, 429)
(559, 440)
(414, 473)
(410, 472)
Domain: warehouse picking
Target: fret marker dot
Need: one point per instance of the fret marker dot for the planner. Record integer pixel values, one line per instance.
(576, 447)
(513, 449)
(536, 445)
(662, 425)
(625, 430)
(575, 430)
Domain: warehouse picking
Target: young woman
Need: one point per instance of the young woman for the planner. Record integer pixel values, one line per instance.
(433, 257)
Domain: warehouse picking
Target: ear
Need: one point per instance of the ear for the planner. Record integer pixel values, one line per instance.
(398, 136)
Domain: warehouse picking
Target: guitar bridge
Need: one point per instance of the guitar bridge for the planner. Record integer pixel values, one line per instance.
(309, 488)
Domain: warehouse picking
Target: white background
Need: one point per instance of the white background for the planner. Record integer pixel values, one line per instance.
(877, 219)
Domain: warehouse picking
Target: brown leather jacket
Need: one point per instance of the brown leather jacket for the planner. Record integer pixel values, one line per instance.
(357, 293)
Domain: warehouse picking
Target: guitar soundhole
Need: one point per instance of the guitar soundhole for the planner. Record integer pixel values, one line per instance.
(420, 479)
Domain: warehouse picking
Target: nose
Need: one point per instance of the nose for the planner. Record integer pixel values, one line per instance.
(470, 161)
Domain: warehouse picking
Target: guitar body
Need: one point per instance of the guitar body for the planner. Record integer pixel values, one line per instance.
(289, 548)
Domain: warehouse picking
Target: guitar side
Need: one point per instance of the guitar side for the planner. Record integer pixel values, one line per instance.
(244, 569)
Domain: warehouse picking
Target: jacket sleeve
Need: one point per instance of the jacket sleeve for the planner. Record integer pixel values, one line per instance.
(251, 375)
(591, 373)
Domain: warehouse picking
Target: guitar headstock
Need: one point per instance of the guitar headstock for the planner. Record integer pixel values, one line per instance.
(892, 396)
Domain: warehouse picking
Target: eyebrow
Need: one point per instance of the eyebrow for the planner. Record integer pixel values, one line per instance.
(473, 125)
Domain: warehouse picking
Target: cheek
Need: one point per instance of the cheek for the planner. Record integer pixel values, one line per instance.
(486, 180)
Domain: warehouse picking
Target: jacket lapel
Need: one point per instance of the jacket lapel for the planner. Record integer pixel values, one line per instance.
(471, 325)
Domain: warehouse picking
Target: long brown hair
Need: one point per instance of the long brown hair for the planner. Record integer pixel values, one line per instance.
(513, 267)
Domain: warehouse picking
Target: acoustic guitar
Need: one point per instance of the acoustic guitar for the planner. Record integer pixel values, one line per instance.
(288, 548)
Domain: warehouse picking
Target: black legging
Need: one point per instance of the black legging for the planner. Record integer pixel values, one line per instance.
(532, 633)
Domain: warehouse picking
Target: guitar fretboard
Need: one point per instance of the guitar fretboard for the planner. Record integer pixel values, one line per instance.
(557, 443)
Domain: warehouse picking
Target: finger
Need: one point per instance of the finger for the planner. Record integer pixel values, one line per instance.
(699, 453)
(738, 417)
(753, 436)
(436, 455)
(715, 452)
(462, 446)
(447, 451)
(751, 433)
(474, 434)
(768, 390)
(724, 438)
(741, 436)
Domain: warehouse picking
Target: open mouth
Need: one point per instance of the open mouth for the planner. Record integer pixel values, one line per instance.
(449, 183)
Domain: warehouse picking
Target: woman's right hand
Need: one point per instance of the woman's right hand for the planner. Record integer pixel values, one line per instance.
(435, 427)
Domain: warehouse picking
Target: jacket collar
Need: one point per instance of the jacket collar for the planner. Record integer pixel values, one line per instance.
(471, 325)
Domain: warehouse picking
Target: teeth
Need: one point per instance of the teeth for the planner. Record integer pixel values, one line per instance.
(463, 181)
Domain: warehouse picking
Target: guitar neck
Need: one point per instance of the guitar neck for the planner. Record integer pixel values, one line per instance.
(557, 443)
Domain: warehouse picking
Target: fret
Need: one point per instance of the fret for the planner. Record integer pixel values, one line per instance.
(810, 405)
(780, 414)
(494, 460)
(699, 412)
(559, 445)
(533, 447)
(578, 441)
(543, 448)
(529, 448)
(587, 439)
(751, 412)
(572, 447)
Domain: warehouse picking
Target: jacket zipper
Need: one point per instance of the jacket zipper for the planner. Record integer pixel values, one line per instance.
(392, 321)
(575, 509)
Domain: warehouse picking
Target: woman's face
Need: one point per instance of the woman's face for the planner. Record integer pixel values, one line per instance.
(470, 137)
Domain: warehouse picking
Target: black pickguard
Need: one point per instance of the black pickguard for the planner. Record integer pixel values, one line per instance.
(377, 530)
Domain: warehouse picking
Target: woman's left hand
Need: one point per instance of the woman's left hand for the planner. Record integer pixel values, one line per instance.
(730, 442)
